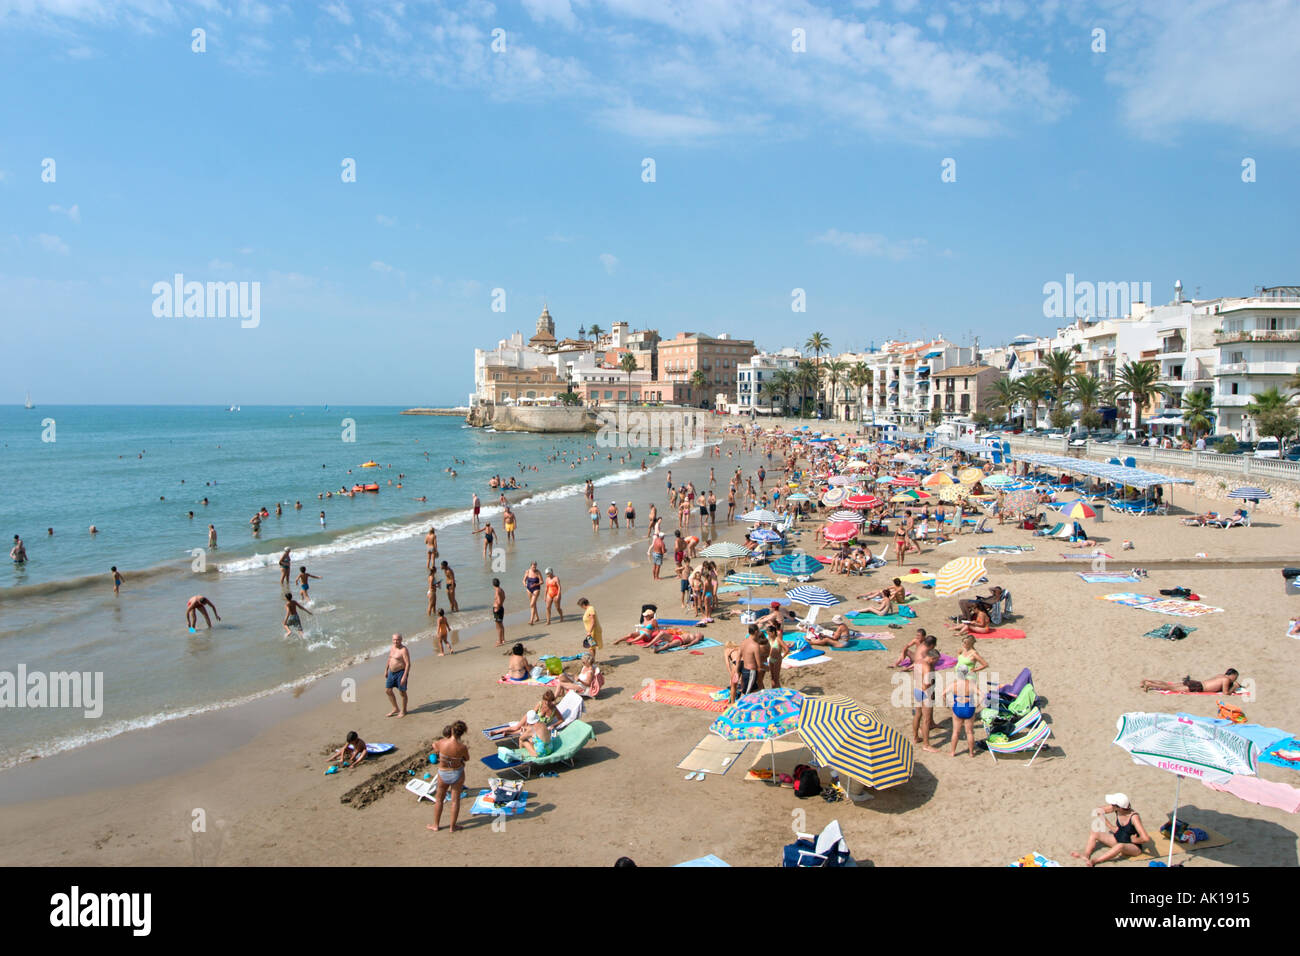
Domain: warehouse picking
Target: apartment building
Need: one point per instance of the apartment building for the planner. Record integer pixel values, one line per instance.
(1258, 342)
(717, 357)
(962, 390)
(754, 377)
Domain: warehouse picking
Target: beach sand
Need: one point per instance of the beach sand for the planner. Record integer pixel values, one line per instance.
(253, 775)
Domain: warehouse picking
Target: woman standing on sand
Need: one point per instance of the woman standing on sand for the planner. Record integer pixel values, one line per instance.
(533, 584)
(452, 757)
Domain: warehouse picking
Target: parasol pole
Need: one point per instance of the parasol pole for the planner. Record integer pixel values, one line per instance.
(1173, 825)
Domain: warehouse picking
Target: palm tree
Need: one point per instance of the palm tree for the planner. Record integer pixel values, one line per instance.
(817, 344)
(809, 378)
(1033, 389)
(1058, 366)
(860, 377)
(1140, 382)
(1273, 414)
(1293, 383)
(782, 383)
(628, 364)
(1004, 393)
(1197, 405)
(1089, 391)
(595, 332)
(835, 372)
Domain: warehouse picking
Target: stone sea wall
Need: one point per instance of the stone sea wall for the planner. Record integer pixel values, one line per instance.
(535, 418)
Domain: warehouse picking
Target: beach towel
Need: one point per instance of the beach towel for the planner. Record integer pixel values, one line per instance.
(863, 644)
(1159, 843)
(1034, 859)
(875, 620)
(1092, 578)
(805, 654)
(535, 682)
(1004, 548)
(682, 622)
(1284, 753)
(677, 693)
(1147, 602)
(1085, 556)
(818, 657)
(713, 754)
(1003, 633)
(707, 642)
(483, 806)
(1267, 793)
(1163, 631)
(710, 860)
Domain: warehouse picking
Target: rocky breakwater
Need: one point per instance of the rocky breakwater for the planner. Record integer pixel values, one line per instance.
(533, 418)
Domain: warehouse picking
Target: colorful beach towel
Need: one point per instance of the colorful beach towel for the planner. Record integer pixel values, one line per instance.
(1034, 859)
(875, 620)
(678, 693)
(532, 681)
(1108, 578)
(483, 807)
(1148, 602)
(707, 642)
(1085, 556)
(1285, 753)
(1163, 631)
(1004, 548)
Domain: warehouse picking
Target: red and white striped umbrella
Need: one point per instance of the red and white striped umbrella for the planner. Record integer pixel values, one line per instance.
(840, 531)
(861, 501)
(905, 481)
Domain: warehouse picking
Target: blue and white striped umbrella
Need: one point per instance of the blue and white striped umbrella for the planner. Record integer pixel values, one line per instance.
(764, 534)
(795, 565)
(1250, 494)
(812, 595)
(761, 515)
(749, 579)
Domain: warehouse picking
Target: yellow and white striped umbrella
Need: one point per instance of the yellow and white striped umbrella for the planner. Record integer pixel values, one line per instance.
(957, 575)
(969, 476)
(854, 741)
(938, 480)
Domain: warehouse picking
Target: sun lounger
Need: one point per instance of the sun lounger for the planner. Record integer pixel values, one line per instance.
(826, 849)
(1053, 532)
(572, 739)
(1035, 739)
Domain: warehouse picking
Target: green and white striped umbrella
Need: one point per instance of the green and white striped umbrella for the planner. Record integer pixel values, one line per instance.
(724, 551)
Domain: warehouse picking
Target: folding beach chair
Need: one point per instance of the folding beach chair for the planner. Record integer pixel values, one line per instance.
(572, 739)
(423, 789)
(827, 849)
(1053, 532)
(808, 621)
(570, 708)
(1035, 739)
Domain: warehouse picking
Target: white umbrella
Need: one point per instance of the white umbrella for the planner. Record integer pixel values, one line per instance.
(1186, 748)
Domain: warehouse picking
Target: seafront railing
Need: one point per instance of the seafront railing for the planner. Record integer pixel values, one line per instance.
(1245, 465)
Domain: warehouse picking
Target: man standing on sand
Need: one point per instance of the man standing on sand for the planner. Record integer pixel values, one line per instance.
(656, 554)
(923, 694)
(751, 662)
(499, 610)
(592, 625)
(397, 675)
(285, 567)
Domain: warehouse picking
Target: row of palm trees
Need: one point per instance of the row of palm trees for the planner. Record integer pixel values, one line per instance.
(810, 376)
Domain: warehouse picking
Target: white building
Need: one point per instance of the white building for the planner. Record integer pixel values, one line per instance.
(753, 377)
(1258, 341)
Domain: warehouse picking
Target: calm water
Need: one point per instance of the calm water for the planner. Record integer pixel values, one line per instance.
(136, 473)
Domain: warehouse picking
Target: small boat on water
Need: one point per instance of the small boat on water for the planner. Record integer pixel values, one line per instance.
(370, 464)
(28, 403)
(357, 489)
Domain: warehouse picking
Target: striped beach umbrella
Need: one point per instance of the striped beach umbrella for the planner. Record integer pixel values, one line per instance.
(853, 740)
(749, 579)
(958, 575)
(1186, 748)
(904, 496)
(937, 480)
(1255, 495)
(840, 531)
(795, 565)
(764, 534)
(812, 595)
(1077, 509)
(835, 480)
(969, 476)
(761, 515)
(845, 514)
(905, 481)
(834, 496)
(760, 715)
(797, 496)
(724, 551)
(998, 480)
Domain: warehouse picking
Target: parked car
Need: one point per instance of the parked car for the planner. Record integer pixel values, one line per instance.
(1268, 448)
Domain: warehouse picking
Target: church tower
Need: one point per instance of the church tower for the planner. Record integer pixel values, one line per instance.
(545, 336)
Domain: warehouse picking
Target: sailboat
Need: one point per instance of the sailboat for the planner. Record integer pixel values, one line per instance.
(28, 403)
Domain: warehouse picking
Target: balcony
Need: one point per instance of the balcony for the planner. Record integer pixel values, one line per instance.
(1232, 401)
(1257, 335)
(1257, 368)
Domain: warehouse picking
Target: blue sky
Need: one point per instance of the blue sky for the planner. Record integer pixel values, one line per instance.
(522, 169)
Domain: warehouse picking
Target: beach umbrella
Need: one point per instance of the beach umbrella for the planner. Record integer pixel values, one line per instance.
(860, 450)
(905, 481)
(749, 579)
(795, 565)
(953, 492)
(901, 456)
(812, 595)
(969, 476)
(1185, 748)
(1020, 502)
(839, 480)
(724, 551)
(958, 575)
(845, 514)
(1077, 509)
(840, 531)
(938, 480)
(998, 480)
(903, 496)
(797, 496)
(760, 716)
(861, 501)
(919, 577)
(1254, 495)
(857, 464)
(834, 496)
(761, 515)
(884, 480)
(764, 534)
(853, 740)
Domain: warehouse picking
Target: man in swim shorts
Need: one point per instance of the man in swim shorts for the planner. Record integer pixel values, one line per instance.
(397, 675)
(1225, 683)
(499, 610)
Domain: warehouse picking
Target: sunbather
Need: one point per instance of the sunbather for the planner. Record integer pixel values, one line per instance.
(840, 637)
(667, 640)
(518, 669)
(585, 682)
(882, 608)
(978, 623)
(537, 738)
(777, 615)
(1224, 683)
(644, 632)
(1202, 520)
(1125, 838)
(895, 591)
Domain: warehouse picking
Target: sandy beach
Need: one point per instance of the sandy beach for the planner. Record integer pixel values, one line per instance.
(252, 776)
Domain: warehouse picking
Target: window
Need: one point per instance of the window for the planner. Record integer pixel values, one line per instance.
(608, 395)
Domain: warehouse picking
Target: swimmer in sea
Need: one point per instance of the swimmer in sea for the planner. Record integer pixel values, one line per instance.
(291, 619)
(489, 536)
(304, 580)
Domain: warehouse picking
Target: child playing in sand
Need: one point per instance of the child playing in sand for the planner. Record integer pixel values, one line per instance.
(352, 752)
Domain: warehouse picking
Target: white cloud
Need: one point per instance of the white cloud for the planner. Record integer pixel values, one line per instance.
(608, 262)
(52, 244)
(216, 265)
(385, 220)
(73, 212)
(378, 266)
(558, 10)
(872, 244)
(339, 11)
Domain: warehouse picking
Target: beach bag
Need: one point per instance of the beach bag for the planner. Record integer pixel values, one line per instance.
(538, 671)
(806, 782)
(905, 611)
(1231, 712)
(554, 666)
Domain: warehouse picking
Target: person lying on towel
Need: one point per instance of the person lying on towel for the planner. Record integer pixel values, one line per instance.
(824, 637)
(1224, 683)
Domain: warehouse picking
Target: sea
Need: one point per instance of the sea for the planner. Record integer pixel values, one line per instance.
(151, 479)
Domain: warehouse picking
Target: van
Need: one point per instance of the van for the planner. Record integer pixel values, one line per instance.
(1268, 448)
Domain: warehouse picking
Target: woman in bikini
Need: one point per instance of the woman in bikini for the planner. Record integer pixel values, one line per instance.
(451, 586)
(979, 623)
(432, 593)
(452, 756)
(518, 669)
(585, 680)
(553, 596)
(533, 584)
